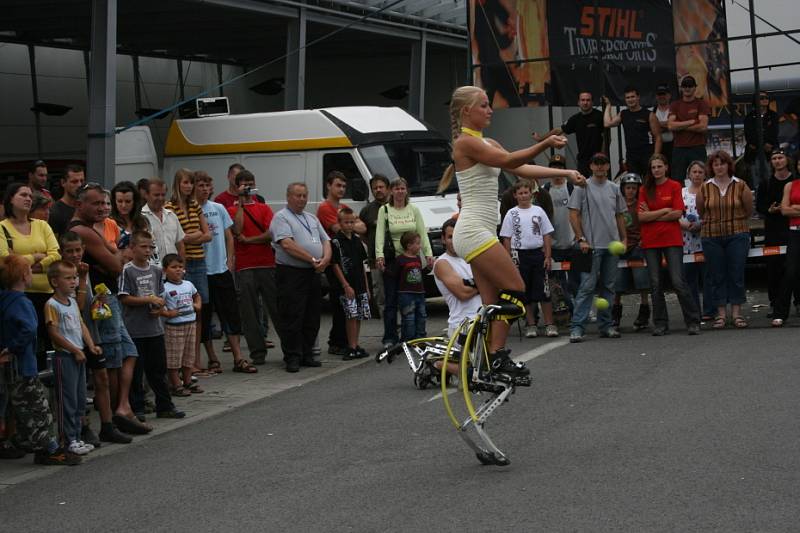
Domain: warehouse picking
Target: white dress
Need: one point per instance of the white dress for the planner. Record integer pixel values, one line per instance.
(476, 229)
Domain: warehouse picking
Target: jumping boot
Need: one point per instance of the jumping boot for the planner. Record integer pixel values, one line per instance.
(616, 315)
(642, 319)
(502, 363)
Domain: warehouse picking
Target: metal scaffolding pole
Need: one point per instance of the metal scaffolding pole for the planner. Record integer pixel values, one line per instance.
(102, 92)
(760, 161)
(294, 94)
(416, 96)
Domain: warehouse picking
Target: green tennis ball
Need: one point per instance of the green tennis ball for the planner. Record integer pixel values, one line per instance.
(601, 303)
(616, 248)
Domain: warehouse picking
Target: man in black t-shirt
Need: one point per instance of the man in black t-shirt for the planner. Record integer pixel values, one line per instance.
(642, 131)
(64, 209)
(587, 125)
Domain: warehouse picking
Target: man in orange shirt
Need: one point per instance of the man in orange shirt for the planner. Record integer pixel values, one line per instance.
(328, 215)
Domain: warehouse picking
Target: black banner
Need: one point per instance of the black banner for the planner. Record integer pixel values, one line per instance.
(604, 46)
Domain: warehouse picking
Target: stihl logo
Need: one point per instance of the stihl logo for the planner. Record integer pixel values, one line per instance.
(611, 22)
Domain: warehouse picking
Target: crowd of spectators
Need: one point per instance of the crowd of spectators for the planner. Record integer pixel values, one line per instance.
(122, 285)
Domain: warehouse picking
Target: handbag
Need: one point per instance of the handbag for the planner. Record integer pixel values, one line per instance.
(389, 253)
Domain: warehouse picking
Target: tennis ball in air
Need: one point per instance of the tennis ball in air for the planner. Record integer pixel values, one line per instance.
(616, 247)
(601, 303)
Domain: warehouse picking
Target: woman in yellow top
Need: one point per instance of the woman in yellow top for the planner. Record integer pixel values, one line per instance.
(196, 231)
(32, 239)
(476, 164)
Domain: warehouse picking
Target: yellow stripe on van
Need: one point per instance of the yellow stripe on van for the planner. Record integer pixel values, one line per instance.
(178, 144)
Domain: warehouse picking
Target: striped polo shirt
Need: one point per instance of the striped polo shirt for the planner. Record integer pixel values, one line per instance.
(724, 215)
(190, 222)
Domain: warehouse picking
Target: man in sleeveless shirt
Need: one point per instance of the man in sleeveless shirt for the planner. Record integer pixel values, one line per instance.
(453, 277)
(642, 132)
(105, 265)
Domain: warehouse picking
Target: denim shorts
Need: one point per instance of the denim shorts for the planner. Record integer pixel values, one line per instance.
(114, 337)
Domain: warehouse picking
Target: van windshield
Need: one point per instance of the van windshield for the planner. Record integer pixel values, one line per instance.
(421, 163)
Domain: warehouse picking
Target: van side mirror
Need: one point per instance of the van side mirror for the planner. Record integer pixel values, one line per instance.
(358, 190)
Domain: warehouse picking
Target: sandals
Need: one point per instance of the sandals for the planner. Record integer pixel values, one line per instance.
(179, 391)
(214, 367)
(130, 425)
(719, 323)
(193, 388)
(244, 366)
(739, 322)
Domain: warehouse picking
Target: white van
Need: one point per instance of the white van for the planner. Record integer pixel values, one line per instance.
(282, 147)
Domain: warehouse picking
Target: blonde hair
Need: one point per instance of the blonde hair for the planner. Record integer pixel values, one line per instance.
(176, 199)
(462, 97)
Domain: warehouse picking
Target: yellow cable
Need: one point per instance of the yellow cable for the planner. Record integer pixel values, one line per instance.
(464, 360)
(443, 378)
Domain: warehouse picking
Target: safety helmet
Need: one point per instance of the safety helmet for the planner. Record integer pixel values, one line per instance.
(630, 177)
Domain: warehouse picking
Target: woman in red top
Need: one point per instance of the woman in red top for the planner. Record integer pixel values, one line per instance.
(790, 207)
(660, 209)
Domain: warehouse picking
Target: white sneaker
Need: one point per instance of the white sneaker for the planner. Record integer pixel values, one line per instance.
(76, 448)
(86, 445)
(531, 331)
(551, 330)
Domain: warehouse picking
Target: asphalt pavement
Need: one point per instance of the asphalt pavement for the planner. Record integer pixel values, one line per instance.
(643, 433)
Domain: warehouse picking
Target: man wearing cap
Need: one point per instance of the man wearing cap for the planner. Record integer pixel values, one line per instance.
(661, 111)
(596, 214)
(776, 226)
(688, 121)
(642, 135)
(587, 125)
(37, 178)
(769, 128)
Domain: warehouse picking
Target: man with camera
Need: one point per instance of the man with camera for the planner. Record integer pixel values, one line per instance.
(254, 263)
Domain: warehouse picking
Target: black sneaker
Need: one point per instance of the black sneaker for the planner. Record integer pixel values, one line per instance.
(115, 436)
(60, 457)
(310, 362)
(337, 350)
(502, 363)
(362, 353)
(9, 451)
(293, 366)
(90, 437)
(350, 355)
(172, 413)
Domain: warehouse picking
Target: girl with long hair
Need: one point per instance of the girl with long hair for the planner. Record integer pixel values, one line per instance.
(196, 232)
(660, 209)
(477, 162)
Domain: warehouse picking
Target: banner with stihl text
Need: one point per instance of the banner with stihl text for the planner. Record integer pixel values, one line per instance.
(604, 46)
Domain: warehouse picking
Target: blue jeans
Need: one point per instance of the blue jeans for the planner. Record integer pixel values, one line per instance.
(674, 257)
(599, 281)
(413, 313)
(726, 257)
(71, 394)
(197, 273)
(694, 273)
